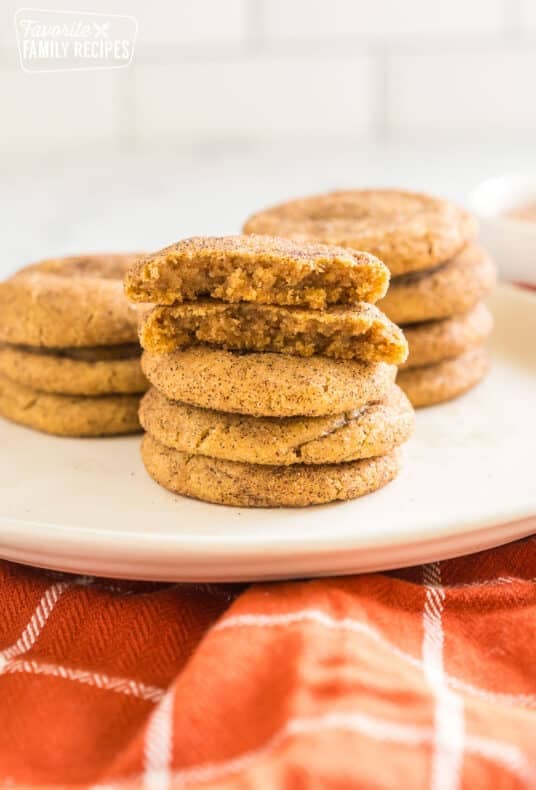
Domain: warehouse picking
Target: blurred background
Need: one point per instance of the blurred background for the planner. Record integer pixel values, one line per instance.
(230, 105)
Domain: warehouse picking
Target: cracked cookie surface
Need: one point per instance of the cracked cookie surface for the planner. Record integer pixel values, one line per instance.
(361, 332)
(256, 485)
(266, 384)
(445, 380)
(455, 287)
(408, 231)
(73, 372)
(434, 341)
(375, 429)
(68, 415)
(77, 301)
(258, 269)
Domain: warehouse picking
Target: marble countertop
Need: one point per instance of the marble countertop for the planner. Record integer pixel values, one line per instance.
(99, 200)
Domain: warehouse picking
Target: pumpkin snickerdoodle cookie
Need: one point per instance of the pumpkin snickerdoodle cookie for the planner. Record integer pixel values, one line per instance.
(361, 332)
(68, 415)
(445, 380)
(98, 353)
(69, 351)
(408, 231)
(257, 485)
(272, 372)
(258, 269)
(66, 371)
(266, 384)
(455, 287)
(61, 302)
(434, 341)
(372, 430)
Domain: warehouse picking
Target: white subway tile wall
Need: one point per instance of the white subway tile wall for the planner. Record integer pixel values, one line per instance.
(387, 19)
(189, 22)
(53, 110)
(528, 16)
(262, 71)
(485, 91)
(282, 95)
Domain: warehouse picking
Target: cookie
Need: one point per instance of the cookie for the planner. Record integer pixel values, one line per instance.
(97, 353)
(258, 269)
(267, 385)
(256, 485)
(408, 231)
(68, 415)
(455, 287)
(375, 429)
(431, 384)
(71, 375)
(434, 341)
(62, 302)
(361, 332)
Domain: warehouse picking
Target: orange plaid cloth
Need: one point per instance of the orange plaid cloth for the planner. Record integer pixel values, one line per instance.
(420, 678)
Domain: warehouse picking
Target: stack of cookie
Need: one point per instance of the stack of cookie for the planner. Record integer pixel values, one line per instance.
(440, 276)
(69, 351)
(272, 371)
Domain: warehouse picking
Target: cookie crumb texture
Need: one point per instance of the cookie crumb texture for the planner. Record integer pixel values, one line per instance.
(266, 384)
(375, 429)
(75, 302)
(69, 415)
(343, 333)
(431, 384)
(254, 485)
(408, 231)
(75, 371)
(258, 269)
(454, 287)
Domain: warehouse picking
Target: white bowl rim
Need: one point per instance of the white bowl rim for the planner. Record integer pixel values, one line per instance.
(493, 196)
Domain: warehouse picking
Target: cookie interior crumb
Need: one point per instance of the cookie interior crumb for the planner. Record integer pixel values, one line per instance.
(343, 333)
(259, 269)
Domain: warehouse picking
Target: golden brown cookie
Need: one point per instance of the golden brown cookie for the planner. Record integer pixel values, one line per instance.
(361, 332)
(67, 375)
(68, 415)
(434, 341)
(267, 385)
(445, 380)
(408, 231)
(374, 429)
(98, 353)
(68, 302)
(455, 287)
(258, 269)
(255, 485)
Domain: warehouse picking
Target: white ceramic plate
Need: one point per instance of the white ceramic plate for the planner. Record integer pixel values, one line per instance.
(468, 483)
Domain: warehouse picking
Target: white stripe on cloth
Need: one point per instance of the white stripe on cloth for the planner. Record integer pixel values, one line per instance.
(499, 580)
(131, 688)
(11, 663)
(350, 625)
(449, 726)
(506, 756)
(158, 748)
(35, 625)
